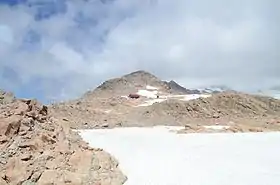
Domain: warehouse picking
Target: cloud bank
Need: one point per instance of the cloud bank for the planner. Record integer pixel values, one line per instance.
(59, 49)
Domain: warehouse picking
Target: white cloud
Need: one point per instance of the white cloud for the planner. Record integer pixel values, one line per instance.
(196, 42)
(6, 35)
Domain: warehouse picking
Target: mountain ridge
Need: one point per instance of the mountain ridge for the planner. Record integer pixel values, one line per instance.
(162, 103)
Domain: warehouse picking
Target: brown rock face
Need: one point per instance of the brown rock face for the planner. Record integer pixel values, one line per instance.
(10, 126)
(35, 149)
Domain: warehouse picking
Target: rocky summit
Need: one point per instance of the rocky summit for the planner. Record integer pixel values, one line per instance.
(36, 149)
(132, 82)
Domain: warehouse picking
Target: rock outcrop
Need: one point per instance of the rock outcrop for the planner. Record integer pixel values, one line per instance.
(175, 88)
(36, 149)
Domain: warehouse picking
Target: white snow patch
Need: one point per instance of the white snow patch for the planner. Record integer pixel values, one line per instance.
(195, 96)
(187, 97)
(217, 127)
(107, 111)
(151, 87)
(151, 102)
(166, 97)
(148, 94)
(153, 156)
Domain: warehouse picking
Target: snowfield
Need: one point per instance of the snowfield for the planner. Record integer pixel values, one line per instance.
(158, 156)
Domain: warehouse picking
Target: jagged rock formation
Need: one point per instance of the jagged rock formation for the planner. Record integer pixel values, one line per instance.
(36, 149)
(178, 89)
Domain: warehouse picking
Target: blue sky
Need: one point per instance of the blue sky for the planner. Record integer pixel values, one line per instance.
(58, 49)
(32, 38)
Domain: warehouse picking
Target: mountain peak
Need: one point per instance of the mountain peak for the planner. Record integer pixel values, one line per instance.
(140, 73)
(129, 83)
(142, 77)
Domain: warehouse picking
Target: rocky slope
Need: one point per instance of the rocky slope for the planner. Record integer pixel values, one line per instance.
(241, 111)
(95, 113)
(107, 106)
(36, 149)
(219, 105)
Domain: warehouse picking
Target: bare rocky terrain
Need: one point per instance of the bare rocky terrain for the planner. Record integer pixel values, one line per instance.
(36, 149)
(38, 144)
(109, 106)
